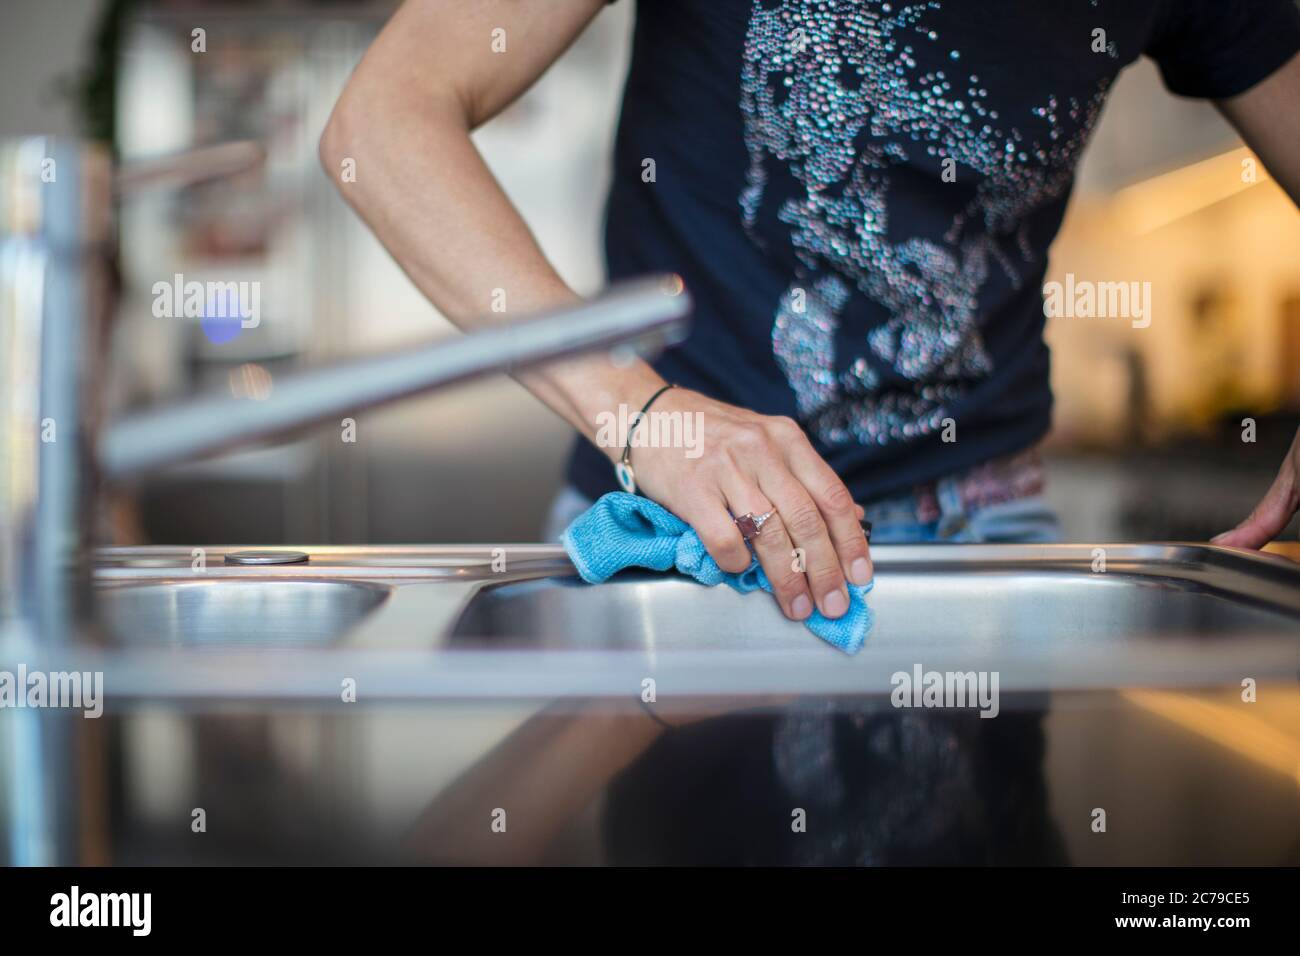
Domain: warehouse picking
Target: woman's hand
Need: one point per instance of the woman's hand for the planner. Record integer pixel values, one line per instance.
(1274, 510)
(757, 463)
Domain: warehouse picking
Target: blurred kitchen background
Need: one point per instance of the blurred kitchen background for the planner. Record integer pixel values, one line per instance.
(1147, 442)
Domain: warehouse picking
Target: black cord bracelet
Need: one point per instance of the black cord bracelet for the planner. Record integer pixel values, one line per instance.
(623, 470)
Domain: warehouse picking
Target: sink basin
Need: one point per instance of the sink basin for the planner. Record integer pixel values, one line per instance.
(221, 612)
(1041, 617)
(635, 611)
(988, 610)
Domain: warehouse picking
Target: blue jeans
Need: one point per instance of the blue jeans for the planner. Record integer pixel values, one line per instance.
(894, 520)
(1028, 520)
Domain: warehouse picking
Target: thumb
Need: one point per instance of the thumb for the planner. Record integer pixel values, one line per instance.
(1267, 520)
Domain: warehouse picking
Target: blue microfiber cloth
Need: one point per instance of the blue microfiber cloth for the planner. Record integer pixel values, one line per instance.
(623, 531)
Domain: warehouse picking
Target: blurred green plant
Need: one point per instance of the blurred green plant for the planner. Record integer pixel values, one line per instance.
(94, 88)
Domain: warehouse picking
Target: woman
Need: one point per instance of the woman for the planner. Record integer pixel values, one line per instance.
(860, 197)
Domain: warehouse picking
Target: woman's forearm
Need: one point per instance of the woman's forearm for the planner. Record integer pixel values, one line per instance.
(422, 187)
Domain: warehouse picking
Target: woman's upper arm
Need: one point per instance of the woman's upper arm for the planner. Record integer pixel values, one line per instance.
(1268, 118)
(485, 53)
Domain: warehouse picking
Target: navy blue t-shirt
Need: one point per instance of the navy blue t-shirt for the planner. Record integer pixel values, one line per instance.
(860, 197)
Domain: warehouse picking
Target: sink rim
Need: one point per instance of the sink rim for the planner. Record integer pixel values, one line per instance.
(426, 669)
(383, 562)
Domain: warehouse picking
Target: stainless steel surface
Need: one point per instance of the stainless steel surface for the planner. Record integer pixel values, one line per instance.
(207, 613)
(511, 630)
(53, 218)
(267, 556)
(1041, 617)
(647, 312)
(454, 628)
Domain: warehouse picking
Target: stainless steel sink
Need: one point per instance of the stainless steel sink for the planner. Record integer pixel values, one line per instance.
(513, 632)
(1041, 617)
(248, 612)
(153, 595)
(977, 609)
(453, 623)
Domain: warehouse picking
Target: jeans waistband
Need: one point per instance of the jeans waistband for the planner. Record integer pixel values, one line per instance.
(950, 499)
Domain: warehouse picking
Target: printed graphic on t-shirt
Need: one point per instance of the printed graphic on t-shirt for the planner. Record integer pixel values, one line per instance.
(844, 98)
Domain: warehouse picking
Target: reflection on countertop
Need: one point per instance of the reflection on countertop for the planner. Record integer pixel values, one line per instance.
(1181, 780)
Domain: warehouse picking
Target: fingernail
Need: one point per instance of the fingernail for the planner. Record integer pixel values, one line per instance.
(835, 604)
(801, 607)
(860, 571)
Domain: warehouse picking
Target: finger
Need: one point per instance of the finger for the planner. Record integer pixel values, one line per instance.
(1268, 519)
(802, 521)
(842, 516)
(774, 550)
(718, 533)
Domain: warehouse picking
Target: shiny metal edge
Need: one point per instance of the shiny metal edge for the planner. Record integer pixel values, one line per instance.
(400, 655)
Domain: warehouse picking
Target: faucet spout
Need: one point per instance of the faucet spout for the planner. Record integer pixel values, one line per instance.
(642, 313)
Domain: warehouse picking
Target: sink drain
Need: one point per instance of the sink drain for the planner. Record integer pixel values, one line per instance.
(267, 557)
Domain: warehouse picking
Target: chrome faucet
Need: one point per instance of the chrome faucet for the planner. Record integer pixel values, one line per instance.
(55, 214)
(642, 314)
(56, 208)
